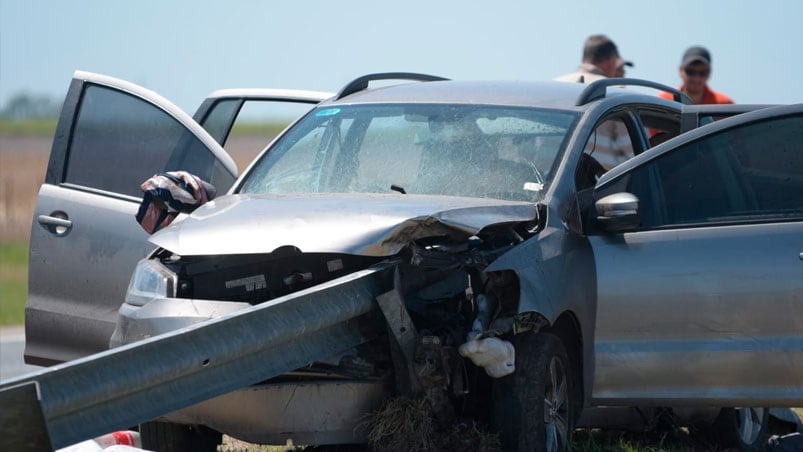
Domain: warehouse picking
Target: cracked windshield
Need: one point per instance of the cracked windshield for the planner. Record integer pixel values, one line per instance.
(453, 150)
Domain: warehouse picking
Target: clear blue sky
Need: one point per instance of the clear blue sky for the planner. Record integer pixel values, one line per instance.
(185, 49)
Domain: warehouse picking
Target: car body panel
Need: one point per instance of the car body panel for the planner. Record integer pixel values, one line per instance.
(279, 413)
(77, 271)
(702, 313)
(69, 315)
(710, 327)
(377, 224)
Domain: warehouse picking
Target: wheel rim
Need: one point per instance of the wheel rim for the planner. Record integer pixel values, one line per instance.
(556, 407)
(749, 423)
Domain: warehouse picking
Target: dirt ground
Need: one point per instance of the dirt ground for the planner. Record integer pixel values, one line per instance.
(23, 163)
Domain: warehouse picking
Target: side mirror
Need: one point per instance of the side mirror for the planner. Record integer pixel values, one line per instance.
(618, 212)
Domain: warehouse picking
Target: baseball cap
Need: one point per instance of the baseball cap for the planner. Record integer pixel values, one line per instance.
(598, 47)
(696, 54)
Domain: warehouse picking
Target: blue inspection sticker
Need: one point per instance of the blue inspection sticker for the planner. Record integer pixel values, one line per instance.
(328, 112)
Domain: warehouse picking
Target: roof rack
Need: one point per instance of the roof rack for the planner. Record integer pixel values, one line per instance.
(361, 83)
(597, 90)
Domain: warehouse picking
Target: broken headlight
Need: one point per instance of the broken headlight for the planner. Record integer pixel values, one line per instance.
(150, 280)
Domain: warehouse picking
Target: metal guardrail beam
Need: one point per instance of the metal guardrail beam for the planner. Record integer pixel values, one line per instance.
(128, 385)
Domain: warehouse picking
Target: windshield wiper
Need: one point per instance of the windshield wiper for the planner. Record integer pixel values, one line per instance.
(397, 188)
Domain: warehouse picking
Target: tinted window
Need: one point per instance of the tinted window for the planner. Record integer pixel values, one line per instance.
(120, 140)
(748, 173)
(456, 150)
(218, 120)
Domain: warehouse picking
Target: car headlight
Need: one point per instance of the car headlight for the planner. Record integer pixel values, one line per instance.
(151, 280)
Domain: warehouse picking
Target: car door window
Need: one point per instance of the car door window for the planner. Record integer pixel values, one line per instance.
(748, 173)
(659, 125)
(608, 145)
(118, 141)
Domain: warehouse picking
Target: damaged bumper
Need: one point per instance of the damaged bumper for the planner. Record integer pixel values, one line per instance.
(164, 315)
(279, 413)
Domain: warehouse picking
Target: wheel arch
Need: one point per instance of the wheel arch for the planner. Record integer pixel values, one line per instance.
(567, 329)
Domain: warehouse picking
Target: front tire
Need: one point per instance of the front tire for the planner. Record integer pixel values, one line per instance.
(170, 437)
(533, 409)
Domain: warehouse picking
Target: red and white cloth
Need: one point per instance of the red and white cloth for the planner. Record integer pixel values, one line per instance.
(167, 195)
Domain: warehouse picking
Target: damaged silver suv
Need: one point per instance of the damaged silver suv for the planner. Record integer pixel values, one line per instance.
(547, 261)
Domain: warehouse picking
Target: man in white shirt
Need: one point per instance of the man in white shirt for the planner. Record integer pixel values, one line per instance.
(600, 60)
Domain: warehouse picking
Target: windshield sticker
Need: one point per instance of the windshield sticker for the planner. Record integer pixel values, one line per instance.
(328, 112)
(533, 186)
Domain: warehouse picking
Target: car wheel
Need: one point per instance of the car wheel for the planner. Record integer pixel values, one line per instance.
(532, 409)
(744, 428)
(169, 437)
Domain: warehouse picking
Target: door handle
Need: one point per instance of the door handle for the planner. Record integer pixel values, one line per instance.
(58, 225)
(54, 221)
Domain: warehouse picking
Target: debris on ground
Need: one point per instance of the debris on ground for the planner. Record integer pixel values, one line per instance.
(410, 424)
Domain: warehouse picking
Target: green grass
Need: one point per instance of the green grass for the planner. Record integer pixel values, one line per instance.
(13, 282)
(258, 128)
(596, 440)
(29, 127)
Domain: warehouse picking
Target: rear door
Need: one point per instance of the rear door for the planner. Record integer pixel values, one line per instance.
(112, 135)
(245, 121)
(219, 112)
(701, 304)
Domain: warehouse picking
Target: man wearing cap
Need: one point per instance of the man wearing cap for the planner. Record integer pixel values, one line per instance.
(600, 60)
(610, 144)
(695, 68)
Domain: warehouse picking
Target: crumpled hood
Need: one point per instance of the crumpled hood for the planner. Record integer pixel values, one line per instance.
(361, 224)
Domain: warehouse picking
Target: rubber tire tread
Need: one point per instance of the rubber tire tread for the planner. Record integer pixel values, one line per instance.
(517, 407)
(726, 435)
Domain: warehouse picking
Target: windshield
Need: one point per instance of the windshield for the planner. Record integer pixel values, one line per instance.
(455, 150)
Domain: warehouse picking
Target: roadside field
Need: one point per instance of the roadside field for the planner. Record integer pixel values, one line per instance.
(13, 282)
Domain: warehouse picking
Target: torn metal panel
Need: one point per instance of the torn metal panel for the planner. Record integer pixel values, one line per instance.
(137, 382)
(557, 275)
(376, 225)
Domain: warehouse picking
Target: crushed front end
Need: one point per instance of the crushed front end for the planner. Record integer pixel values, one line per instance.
(441, 317)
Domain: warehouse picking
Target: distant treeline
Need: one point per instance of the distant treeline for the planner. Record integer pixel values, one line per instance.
(26, 107)
(27, 114)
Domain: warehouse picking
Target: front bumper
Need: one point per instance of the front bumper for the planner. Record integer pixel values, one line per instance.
(312, 412)
(135, 323)
(321, 411)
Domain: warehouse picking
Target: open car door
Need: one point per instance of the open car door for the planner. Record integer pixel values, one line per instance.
(112, 135)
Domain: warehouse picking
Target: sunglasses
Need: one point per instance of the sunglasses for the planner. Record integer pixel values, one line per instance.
(692, 73)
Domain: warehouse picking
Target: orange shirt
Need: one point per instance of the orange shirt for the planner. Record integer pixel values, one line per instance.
(710, 96)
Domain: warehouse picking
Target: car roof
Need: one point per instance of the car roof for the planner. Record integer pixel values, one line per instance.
(559, 95)
(526, 94)
(433, 89)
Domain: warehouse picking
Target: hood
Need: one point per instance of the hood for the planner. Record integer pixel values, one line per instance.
(360, 224)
